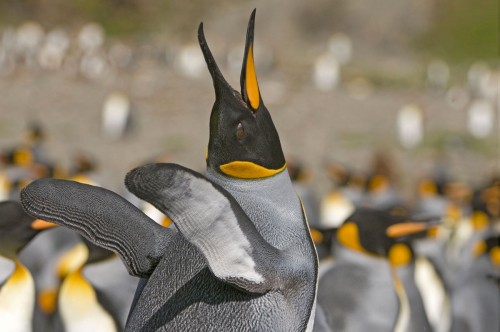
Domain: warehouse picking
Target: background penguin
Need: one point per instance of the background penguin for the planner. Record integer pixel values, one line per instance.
(362, 291)
(433, 277)
(402, 259)
(240, 257)
(382, 192)
(95, 294)
(430, 201)
(350, 182)
(40, 256)
(475, 298)
(17, 289)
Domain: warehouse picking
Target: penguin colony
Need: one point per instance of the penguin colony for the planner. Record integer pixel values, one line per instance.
(240, 254)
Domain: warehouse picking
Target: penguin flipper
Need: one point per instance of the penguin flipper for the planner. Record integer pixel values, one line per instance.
(103, 217)
(211, 219)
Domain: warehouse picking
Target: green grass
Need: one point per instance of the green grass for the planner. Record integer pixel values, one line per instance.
(463, 31)
(435, 141)
(118, 17)
(445, 140)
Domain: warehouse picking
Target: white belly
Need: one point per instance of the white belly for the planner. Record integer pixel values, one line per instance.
(80, 311)
(17, 300)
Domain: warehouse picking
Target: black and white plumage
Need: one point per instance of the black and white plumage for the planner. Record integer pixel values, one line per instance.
(475, 298)
(17, 288)
(240, 257)
(370, 285)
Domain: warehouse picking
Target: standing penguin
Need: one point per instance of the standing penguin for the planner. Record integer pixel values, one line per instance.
(476, 295)
(17, 289)
(95, 294)
(240, 258)
(364, 290)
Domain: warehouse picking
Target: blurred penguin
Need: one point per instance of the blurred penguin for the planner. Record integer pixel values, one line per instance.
(84, 170)
(382, 192)
(410, 126)
(300, 180)
(481, 118)
(363, 290)
(116, 115)
(475, 298)
(95, 292)
(17, 288)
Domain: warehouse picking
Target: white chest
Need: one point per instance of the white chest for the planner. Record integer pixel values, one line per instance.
(17, 300)
(80, 309)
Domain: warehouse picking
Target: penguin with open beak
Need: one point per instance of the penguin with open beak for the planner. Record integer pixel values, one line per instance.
(240, 257)
(17, 288)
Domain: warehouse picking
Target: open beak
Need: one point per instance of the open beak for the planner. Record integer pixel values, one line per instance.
(248, 79)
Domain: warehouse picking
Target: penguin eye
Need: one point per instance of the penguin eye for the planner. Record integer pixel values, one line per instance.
(240, 132)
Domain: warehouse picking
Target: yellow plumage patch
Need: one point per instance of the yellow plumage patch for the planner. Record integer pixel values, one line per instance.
(316, 236)
(79, 306)
(479, 248)
(495, 256)
(81, 291)
(479, 220)
(399, 255)
(348, 236)
(47, 301)
(72, 260)
(248, 170)
(20, 274)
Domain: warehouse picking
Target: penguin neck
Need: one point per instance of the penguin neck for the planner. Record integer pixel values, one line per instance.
(17, 300)
(403, 319)
(271, 203)
(79, 307)
(348, 255)
(405, 272)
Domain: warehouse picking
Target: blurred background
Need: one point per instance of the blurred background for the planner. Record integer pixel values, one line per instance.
(107, 85)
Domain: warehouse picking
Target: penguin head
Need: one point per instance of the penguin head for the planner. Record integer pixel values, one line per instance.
(243, 141)
(16, 228)
(375, 232)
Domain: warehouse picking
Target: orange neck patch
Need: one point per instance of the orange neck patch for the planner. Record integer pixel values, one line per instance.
(248, 170)
(399, 255)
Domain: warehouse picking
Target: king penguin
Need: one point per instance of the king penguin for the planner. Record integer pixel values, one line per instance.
(476, 295)
(363, 290)
(17, 288)
(94, 291)
(240, 257)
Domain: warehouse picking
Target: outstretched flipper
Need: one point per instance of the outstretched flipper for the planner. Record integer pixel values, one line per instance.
(102, 217)
(211, 219)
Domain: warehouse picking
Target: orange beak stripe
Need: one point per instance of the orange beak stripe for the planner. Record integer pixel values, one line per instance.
(406, 228)
(40, 224)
